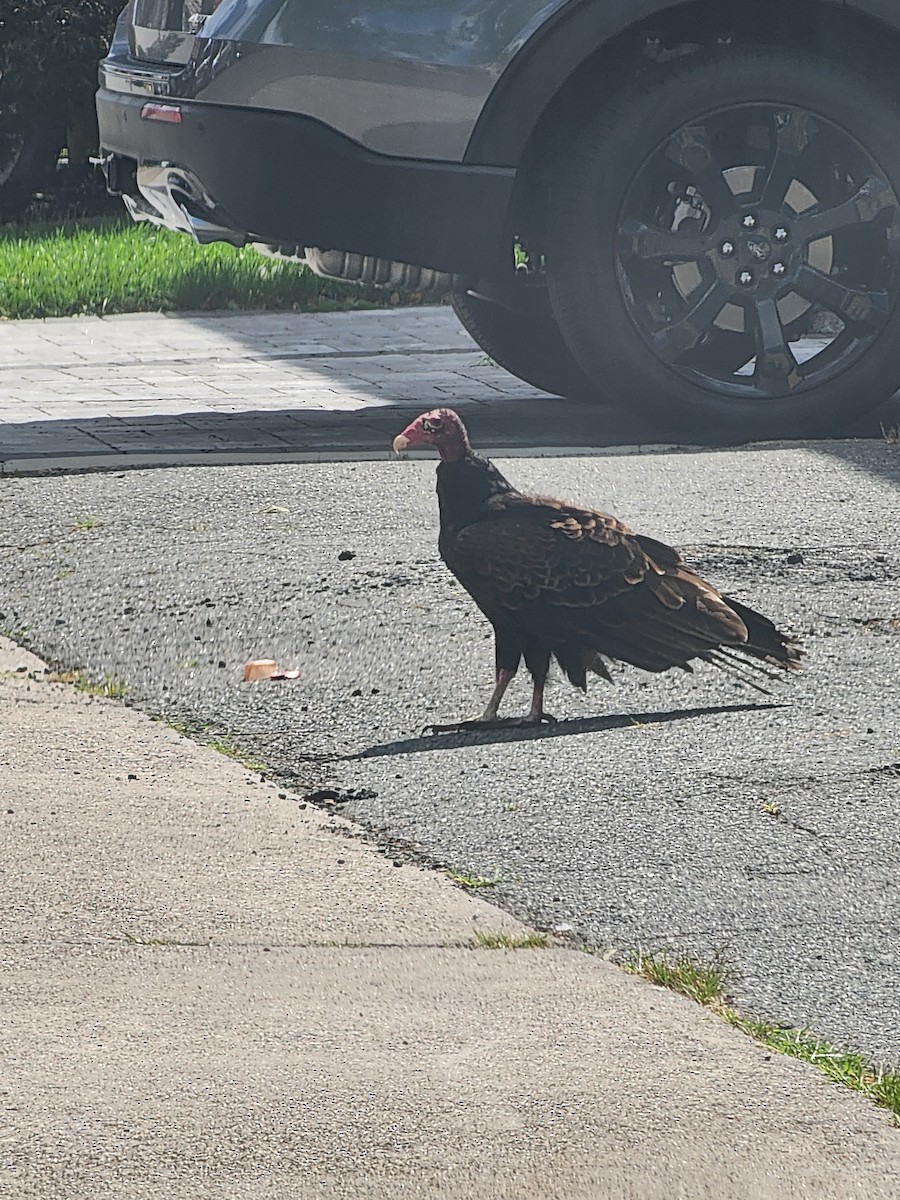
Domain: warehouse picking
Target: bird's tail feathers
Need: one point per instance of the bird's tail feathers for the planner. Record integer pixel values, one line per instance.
(764, 640)
(739, 669)
(576, 661)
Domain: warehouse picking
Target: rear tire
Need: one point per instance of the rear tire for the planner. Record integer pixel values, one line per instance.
(522, 336)
(722, 246)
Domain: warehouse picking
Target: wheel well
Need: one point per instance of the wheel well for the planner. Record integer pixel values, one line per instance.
(841, 35)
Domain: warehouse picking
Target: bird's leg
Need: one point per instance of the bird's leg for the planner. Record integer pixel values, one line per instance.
(507, 656)
(504, 679)
(536, 714)
(489, 718)
(537, 659)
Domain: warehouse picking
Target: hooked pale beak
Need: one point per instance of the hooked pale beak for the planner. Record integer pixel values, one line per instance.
(412, 435)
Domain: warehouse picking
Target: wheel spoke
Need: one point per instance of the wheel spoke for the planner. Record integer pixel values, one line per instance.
(690, 148)
(647, 242)
(776, 368)
(873, 197)
(670, 343)
(791, 141)
(855, 306)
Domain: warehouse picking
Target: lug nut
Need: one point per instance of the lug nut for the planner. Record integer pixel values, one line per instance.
(780, 234)
(778, 268)
(745, 278)
(726, 248)
(748, 221)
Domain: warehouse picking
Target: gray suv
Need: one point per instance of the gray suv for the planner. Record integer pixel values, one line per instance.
(690, 209)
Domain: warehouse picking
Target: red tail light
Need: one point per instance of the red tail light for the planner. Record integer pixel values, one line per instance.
(170, 113)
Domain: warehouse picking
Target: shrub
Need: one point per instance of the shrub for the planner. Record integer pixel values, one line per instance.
(48, 74)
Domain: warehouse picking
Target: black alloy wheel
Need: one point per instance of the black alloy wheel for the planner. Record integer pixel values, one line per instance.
(740, 267)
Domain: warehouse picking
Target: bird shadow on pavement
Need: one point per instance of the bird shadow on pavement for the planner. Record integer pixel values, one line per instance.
(531, 733)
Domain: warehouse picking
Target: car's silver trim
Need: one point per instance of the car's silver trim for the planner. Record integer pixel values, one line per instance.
(133, 80)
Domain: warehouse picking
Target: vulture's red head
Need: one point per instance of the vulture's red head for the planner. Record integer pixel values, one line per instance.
(440, 428)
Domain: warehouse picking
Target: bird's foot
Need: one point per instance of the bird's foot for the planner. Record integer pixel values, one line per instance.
(475, 724)
(539, 718)
(480, 723)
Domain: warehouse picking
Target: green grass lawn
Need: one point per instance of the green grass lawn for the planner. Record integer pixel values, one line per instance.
(108, 266)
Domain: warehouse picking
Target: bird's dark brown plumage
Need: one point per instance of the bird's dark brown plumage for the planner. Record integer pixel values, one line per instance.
(558, 580)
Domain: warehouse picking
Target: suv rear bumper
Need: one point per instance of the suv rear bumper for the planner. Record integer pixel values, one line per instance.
(281, 178)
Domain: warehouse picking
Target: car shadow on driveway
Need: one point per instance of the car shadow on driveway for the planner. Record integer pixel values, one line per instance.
(885, 465)
(428, 741)
(536, 424)
(150, 438)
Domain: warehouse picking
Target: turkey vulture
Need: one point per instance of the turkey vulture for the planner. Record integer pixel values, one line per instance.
(557, 580)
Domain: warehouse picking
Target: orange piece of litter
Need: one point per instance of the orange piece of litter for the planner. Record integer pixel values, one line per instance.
(266, 668)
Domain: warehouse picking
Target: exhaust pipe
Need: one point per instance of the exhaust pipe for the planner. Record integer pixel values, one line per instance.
(363, 269)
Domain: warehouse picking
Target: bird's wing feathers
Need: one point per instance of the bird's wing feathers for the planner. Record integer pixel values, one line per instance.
(522, 554)
(583, 567)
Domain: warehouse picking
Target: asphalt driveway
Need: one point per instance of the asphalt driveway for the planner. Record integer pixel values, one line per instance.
(679, 812)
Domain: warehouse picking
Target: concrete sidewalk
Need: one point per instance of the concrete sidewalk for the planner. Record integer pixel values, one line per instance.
(211, 989)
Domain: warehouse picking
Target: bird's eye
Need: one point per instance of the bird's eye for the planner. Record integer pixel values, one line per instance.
(433, 426)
